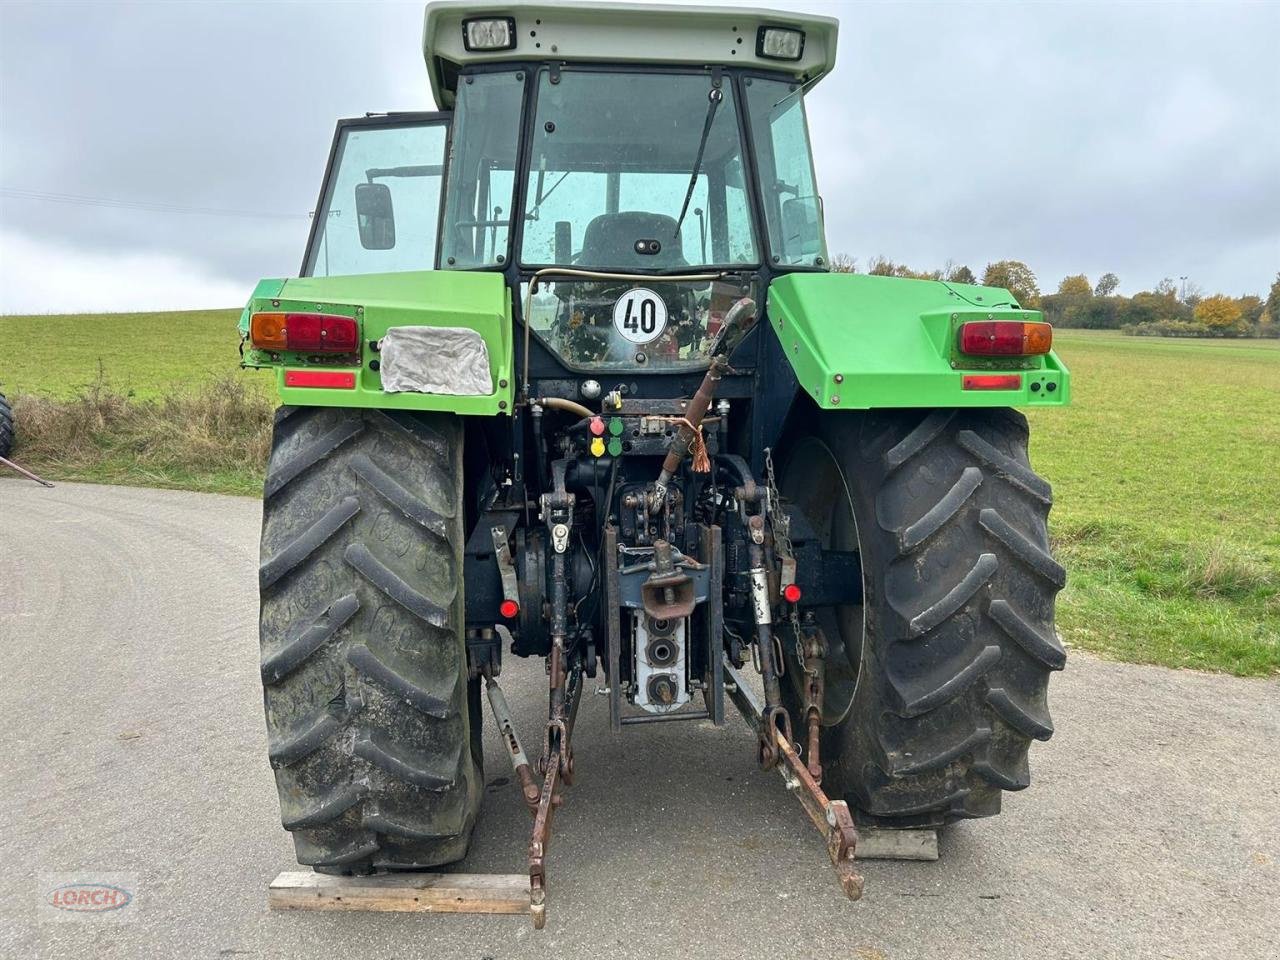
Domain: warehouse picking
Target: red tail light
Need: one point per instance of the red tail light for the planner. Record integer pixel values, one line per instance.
(508, 609)
(1005, 338)
(993, 381)
(791, 593)
(320, 333)
(305, 332)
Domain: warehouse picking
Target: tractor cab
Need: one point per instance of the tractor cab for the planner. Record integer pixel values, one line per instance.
(650, 174)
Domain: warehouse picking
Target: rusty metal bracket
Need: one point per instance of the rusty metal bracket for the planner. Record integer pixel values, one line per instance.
(556, 767)
(540, 840)
(814, 650)
(831, 817)
(506, 566)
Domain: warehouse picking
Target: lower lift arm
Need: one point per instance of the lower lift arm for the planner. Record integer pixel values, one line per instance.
(831, 817)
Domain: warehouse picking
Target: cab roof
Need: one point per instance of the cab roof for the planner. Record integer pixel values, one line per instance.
(575, 31)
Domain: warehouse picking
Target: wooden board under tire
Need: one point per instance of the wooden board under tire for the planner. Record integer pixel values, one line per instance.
(402, 892)
(896, 844)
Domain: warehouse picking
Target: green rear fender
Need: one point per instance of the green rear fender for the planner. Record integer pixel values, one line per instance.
(380, 301)
(859, 342)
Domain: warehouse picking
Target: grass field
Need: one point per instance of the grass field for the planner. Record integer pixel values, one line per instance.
(1166, 468)
(1166, 474)
(140, 354)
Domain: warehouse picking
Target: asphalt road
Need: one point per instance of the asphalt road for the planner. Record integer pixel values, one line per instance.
(133, 744)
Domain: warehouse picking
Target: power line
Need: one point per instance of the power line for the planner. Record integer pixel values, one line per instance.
(148, 205)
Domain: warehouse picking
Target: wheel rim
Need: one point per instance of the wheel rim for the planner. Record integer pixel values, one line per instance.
(815, 484)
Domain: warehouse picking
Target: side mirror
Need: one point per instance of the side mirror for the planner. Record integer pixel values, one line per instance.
(802, 227)
(564, 243)
(375, 217)
(733, 176)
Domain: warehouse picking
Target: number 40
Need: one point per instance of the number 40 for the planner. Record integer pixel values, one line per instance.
(648, 319)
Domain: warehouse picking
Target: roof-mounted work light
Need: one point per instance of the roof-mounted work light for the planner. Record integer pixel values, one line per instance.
(779, 43)
(490, 33)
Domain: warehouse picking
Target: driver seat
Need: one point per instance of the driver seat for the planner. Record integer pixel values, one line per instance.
(610, 242)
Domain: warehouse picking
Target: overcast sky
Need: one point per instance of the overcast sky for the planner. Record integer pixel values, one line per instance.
(1141, 138)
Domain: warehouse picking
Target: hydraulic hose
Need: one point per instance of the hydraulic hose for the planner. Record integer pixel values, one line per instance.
(572, 406)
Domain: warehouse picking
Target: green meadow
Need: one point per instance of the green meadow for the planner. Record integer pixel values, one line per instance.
(1166, 474)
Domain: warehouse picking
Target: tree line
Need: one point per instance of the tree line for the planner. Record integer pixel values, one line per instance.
(1165, 311)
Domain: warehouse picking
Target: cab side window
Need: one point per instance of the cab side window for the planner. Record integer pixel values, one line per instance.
(381, 207)
(792, 207)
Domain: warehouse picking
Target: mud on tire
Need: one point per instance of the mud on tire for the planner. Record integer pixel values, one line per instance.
(369, 712)
(948, 669)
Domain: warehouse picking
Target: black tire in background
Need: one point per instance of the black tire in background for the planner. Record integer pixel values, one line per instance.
(370, 715)
(6, 427)
(937, 685)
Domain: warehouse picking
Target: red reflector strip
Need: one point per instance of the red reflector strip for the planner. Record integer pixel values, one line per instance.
(334, 379)
(993, 381)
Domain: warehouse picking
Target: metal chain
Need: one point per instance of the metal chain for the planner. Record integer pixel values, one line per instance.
(795, 629)
(779, 522)
(780, 525)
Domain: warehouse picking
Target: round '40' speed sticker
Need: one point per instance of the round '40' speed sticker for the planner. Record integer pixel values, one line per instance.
(640, 315)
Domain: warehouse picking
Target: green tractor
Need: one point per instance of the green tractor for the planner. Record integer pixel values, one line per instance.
(566, 374)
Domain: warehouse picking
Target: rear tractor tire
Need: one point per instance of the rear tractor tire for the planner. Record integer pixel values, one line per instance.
(936, 685)
(372, 724)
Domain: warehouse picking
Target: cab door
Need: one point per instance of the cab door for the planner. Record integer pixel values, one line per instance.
(380, 202)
